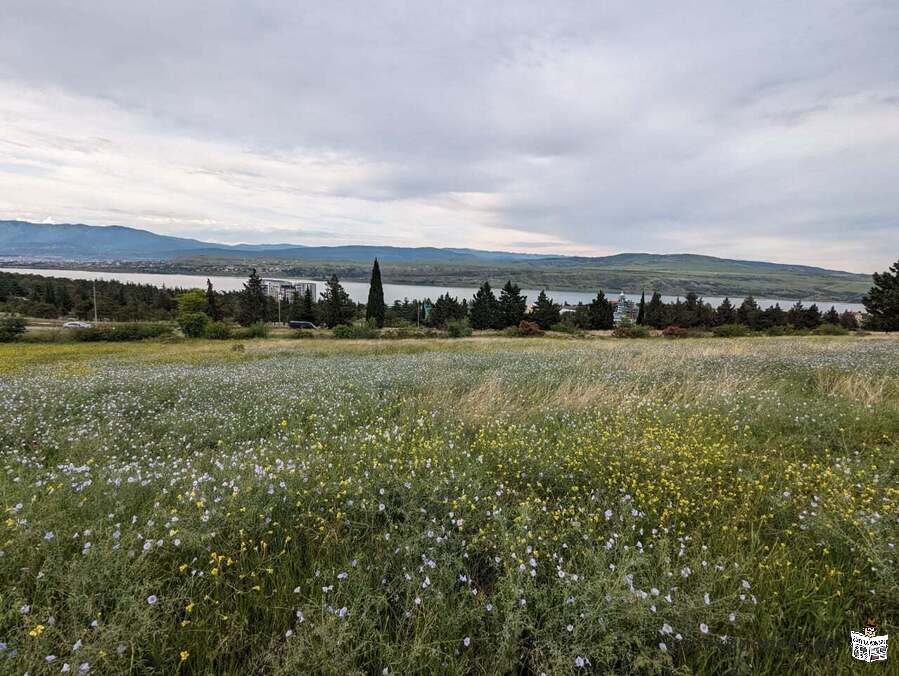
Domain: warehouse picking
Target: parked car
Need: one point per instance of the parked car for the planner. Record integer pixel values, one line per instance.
(76, 325)
(295, 324)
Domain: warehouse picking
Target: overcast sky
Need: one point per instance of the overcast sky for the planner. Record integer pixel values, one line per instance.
(762, 130)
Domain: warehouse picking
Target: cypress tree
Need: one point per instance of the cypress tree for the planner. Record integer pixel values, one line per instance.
(375, 308)
(336, 306)
(252, 303)
(513, 306)
(212, 307)
(641, 312)
(882, 301)
(484, 310)
(307, 311)
(655, 311)
(545, 312)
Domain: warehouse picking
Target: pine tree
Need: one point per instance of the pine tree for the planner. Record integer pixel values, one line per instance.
(375, 308)
(513, 306)
(882, 301)
(484, 308)
(336, 306)
(212, 307)
(848, 320)
(307, 311)
(748, 313)
(812, 317)
(602, 315)
(796, 315)
(641, 312)
(252, 303)
(832, 316)
(655, 311)
(545, 312)
(724, 314)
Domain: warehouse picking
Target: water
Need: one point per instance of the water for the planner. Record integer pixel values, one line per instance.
(358, 291)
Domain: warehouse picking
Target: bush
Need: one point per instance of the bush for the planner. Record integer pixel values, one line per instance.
(674, 332)
(528, 328)
(831, 330)
(628, 330)
(257, 330)
(410, 331)
(458, 328)
(730, 331)
(218, 330)
(354, 331)
(11, 328)
(123, 332)
(193, 324)
(780, 330)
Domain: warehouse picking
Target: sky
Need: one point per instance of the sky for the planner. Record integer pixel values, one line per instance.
(763, 130)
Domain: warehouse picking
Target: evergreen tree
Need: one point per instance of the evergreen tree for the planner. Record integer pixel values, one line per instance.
(832, 316)
(882, 301)
(484, 309)
(545, 312)
(796, 315)
(724, 314)
(601, 313)
(748, 313)
(848, 320)
(773, 316)
(641, 312)
(252, 303)
(812, 317)
(307, 312)
(336, 306)
(212, 307)
(513, 306)
(655, 311)
(445, 310)
(375, 308)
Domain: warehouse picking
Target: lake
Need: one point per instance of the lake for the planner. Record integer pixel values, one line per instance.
(358, 291)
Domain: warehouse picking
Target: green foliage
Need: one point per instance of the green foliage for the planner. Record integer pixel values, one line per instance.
(513, 305)
(121, 332)
(11, 328)
(355, 331)
(882, 301)
(302, 308)
(193, 324)
(192, 302)
(484, 310)
(545, 312)
(375, 308)
(252, 304)
(627, 329)
(336, 306)
(218, 330)
(730, 331)
(600, 313)
(674, 332)
(458, 328)
(828, 329)
(655, 311)
(447, 309)
(212, 309)
(257, 330)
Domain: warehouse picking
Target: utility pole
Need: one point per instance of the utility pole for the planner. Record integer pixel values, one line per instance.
(95, 301)
(279, 307)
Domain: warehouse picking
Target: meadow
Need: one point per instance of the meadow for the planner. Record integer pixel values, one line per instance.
(437, 506)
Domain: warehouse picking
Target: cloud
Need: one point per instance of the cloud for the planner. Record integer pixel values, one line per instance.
(770, 131)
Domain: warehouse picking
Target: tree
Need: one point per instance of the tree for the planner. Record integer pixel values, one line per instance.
(812, 317)
(773, 316)
(191, 302)
(302, 308)
(848, 320)
(545, 312)
(447, 309)
(748, 313)
(212, 306)
(375, 308)
(11, 328)
(601, 313)
(832, 316)
(882, 301)
(724, 314)
(252, 303)
(655, 311)
(336, 306)
(513, 306)
(641, 312)
(484, 309)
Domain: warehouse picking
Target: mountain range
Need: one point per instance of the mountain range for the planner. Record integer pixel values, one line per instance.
(675, 274)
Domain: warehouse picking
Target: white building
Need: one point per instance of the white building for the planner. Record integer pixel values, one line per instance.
(284, 289)
(624, 308)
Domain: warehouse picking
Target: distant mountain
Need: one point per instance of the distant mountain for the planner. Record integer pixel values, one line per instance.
(674, 274)
(78, 242)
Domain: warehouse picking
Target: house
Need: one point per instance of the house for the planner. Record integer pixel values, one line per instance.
(284, 289)
(624, 309)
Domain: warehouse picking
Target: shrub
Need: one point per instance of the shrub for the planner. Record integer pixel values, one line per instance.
(628, 330)
(674, 332)
(123, 332)
(780, 330)
(831, 330)
(730, 331)
(410, 331)
(218, 330)
(354, 331)
(11, 328)
(458, 328)
(528, 328)
(257, 330)
(193, 324)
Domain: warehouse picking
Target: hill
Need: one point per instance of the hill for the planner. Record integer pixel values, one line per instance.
(672, 274)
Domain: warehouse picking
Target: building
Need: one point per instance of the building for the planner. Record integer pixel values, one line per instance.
(284, 289)
(624, 309)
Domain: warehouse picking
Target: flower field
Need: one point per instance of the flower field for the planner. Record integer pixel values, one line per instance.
(472, 506)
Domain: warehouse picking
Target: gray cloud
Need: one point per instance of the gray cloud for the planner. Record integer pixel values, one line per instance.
(768, 130)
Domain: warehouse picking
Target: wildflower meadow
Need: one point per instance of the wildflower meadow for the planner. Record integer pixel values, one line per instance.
(436, 506)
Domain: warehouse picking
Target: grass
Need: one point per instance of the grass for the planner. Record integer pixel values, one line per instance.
(462, 506)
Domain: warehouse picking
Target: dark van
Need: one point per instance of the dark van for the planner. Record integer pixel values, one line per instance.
(295, 324)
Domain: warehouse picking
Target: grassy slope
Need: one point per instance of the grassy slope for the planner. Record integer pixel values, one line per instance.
(446, 471)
